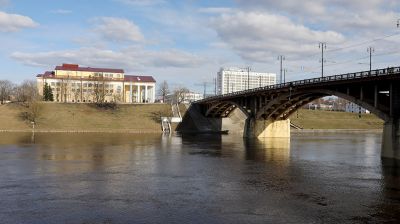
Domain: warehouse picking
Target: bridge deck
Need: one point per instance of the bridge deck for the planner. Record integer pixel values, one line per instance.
(378, 73)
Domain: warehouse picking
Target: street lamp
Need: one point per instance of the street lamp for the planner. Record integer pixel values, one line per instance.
(281, 58)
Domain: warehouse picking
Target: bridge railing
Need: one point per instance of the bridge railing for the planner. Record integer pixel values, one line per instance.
(347, 76)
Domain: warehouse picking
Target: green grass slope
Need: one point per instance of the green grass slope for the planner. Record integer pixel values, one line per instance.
(314, 119)
(85, 117)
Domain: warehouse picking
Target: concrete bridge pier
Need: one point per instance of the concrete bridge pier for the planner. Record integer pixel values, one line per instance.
(391, 140)
(260, 128)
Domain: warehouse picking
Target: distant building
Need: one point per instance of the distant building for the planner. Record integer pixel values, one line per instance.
(192, 96)
(234, 79)
(72, 83)
(354, 108)
(188, 97)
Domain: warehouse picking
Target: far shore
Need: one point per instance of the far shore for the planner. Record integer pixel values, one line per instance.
(145, 118)
(160, 132)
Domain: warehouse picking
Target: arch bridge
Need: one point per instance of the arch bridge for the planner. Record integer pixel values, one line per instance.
(264, 111)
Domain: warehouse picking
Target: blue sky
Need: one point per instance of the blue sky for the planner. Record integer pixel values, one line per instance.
(186, 42)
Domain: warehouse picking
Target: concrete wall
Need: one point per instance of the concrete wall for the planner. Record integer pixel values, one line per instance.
(268, 128)
(391, 140)
(236, 123)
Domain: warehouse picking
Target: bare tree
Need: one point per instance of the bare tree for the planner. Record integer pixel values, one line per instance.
(180, 94)
(27, 91)
(6, 88)
(98, 90)
(163, 90)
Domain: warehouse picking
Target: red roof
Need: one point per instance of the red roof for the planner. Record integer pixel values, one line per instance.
(137, 78)
(46, 74)
(74, 67)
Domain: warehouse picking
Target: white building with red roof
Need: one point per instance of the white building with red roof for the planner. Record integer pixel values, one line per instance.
(75, 84)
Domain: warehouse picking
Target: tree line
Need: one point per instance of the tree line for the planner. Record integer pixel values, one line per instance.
(24, 92)
(178, 95)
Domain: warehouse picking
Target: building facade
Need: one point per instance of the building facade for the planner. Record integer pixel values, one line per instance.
(354, 108)
(186, 97)
(235, 79)
(72, 83)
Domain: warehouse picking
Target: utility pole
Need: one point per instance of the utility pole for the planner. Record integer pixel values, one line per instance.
(284, 75)
(322, 46)
(370, 50)
(215, 86)
(227, 89)
(248, 77)
(281, 58)
(259, 80)
(205, 89)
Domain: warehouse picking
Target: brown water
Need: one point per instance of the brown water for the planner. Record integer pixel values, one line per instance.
(121, 178)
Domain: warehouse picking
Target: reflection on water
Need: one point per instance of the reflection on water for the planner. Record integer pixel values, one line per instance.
(125, 178)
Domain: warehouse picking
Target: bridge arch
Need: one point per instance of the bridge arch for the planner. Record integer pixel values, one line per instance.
(223, 109)
(286, 104)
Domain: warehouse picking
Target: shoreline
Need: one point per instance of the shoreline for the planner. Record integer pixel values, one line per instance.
(337, 131)
(84, 131)
(160, 132)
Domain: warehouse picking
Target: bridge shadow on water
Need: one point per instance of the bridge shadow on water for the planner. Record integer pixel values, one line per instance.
(266, 149)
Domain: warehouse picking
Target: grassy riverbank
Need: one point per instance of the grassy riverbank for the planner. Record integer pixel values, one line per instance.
(145, 118)
(85, 117)
(314, 119)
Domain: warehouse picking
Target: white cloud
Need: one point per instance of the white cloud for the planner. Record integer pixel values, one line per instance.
(15, 22)
(340, 15)
(215, 10)
(61, 11)
(131, 58)
(4, 3)
(257, 36)
(118, 29)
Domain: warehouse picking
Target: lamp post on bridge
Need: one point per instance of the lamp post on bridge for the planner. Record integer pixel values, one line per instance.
(281, 58)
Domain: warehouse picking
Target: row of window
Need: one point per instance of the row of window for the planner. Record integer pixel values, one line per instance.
(108, 86)
(86, 90)
(107, 75)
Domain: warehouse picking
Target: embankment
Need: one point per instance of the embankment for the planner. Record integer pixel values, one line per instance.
(145, 118)
(60, 117)
(333, 120)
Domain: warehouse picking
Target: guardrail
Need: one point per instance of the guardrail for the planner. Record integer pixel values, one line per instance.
(333, 78)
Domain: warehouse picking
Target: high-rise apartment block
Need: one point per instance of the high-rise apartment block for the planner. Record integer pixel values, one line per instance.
(235, 79)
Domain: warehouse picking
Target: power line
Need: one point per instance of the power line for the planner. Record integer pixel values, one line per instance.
(356, 45)
(363, 43)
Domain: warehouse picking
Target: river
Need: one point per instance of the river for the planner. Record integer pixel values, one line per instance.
(124, 178)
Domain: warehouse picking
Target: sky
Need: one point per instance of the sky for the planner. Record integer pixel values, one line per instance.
(187, 42)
